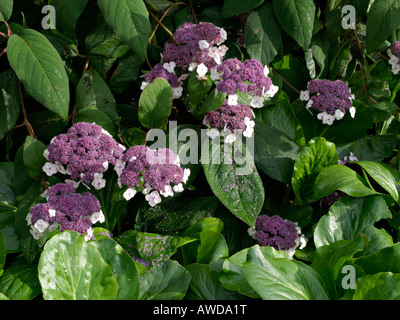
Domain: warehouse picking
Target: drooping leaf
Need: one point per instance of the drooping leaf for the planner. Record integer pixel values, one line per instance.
(9, 102)
(40, 68)
(6, 8)
(33, 157)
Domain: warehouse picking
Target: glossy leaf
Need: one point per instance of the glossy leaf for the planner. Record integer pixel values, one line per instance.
(9, 102)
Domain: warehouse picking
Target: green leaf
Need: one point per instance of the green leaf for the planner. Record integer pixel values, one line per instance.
(296, 18)
(155, 104)
(6, 8)
(9, 102)
(212, 248)
(373, 263)
(382, 20)
(329, 260)
(72, 269)
(99, 117)
(237, 186)
(33, 157)
(274, 152)
(40, 68)
(339, 177)
(130, 21)
(313, 157)
(167, 282)
(283, 279)
(205, 285)
(20, 281)
(231, 275)
(67, 13)
(382, 175)
(93, 92)
(378, 286)
(262, 34)
(232, 8)
(122, 266)
(3, 252)
(348, 218)
(197, 89)
(213, 101)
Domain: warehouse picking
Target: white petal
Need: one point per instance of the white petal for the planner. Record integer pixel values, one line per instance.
(203, 44)
(233, 99)
(352, 111)
(257, 102)
(129, 194)
(304, 95)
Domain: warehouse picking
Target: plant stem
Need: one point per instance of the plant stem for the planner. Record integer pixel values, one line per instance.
(26, 122)
(285, 81)
(164, 27)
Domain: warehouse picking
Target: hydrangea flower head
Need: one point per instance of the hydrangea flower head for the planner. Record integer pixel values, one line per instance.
(167, 72)
(278, 233)
(394, 54)
(331, 98)
(155, 173)
(65, 210)
(231, 118)
(83, 153)
(198, 46)
(249, 77)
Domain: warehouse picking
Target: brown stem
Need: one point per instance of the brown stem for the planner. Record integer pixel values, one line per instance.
(380, 55)
(26, 122)
(285, 81)
(164, 27)
(74, 109)
(193, 13)
(3, 35)
(3, 52)
(9, 32)
(364, 87)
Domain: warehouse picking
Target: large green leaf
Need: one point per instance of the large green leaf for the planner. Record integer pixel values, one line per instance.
(234, 7)
(40, 68)
(167, 282)
(155, 104)
(9, 102)
(315, 156)
(296, 18)
(72, 269)
(33, 157)
(93, 92)
(129, 20)
(262, 34)
(329, 260)
(6, 8)
(378, 286)
(348, 218)
(382, 175)
(237, 186)
(374, 262)
(67, 13)
(382, 20)
(122, 266)
(212, 247)
(339, 177)
(277, 278)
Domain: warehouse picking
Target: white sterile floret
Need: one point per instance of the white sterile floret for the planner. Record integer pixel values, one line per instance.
(233, 99)
(308, 106)
(153, 198)
(326, 118)
(119, 167)
(73, 183)
(144, 85)
(203, 44)
(304, 95)
(192, 66)
(339, 114)
(50, 168)
(230, 138)
(257, 102)
(46, 154)
(52, 213)
(249, 127)
(98, 182)
(167, 191)
(273, 89)
(186, 174)
(103, 131)
(41, 225)
(129, 194)
(352, 111)
(223, 34)
(178, 187)
(177, 92)
(98, 217)
(170, 66)
(212, 133)
(36, 234)
(29, 219)
(215, 75)
(266, 71)
(352, 157)
(89, 234)
(201, 70)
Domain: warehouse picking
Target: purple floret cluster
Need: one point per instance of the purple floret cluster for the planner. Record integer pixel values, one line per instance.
(196, 45)
(331, 98)
(231, 118)
(65, 210)
(153, 172)
(83, 153)
(278, 233)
